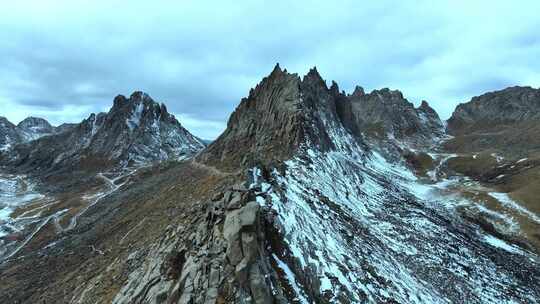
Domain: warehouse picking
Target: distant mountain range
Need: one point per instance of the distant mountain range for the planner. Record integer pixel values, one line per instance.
(136, 130)
(311, 195)
(27, 130)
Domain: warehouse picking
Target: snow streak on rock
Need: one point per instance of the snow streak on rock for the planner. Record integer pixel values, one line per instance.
(358, 228)
(505, 199)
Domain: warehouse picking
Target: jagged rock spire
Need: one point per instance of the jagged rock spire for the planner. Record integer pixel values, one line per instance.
(334, 88)
(314, 78)
(119, 100)
(358, 91)
(276, 71)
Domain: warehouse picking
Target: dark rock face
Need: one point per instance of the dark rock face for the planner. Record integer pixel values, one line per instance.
(266, 123)
(284, 111)
(135, 130)
(9, 135)
(387, 113)
(511, 105)
(65, 127)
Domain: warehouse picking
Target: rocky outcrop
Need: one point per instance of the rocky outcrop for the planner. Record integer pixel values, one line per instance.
(220, 257)
(387, 114)
(506, 120)
(265, 125)
(494, 109)
(279, 115)
(9, 135)
(284, 112)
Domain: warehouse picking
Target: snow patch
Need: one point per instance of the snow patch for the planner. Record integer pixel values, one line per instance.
(505, 200)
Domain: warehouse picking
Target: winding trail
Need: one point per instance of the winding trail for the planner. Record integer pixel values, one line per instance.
(38, 228)
(96, 198)
(212, 169)
(111, 186)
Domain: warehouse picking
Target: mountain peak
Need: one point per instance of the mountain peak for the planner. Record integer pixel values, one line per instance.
(135, 130)
(4, 120)
(314, 78)
(119, 100)
(385, 94)
(139, 95)
(32, 121)
(277, 69)
(358, 91)
(512, 104)
(34, 127)
(282, 113)
(264, 125)
(334, 88)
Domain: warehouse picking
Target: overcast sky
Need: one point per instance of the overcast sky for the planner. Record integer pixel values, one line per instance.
(63, 60)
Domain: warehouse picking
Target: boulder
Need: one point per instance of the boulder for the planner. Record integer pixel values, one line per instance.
(240, 218)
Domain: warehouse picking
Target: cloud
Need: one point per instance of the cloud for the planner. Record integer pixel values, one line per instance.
(64, 59)
(206, 129)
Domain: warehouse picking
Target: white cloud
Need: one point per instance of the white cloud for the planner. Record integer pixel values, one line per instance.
(206, 129)
(201, 57)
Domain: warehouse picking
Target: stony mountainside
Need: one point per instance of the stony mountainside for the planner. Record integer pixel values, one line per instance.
(34, 128)
(499, 108)
(135, 130)
(284, 111)
(496, 141)
(508, 120)
(387, 113)
(296, 202)
(336, 221)
(9, 135)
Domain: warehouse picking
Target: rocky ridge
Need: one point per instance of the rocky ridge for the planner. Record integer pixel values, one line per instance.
(220, 258)
(505, 120)
(499, 108)
(332, 168)
(388, 114)
(284, 111)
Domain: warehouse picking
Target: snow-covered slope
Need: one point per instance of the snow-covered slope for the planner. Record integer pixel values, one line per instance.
(352, 222)
(357, 229)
